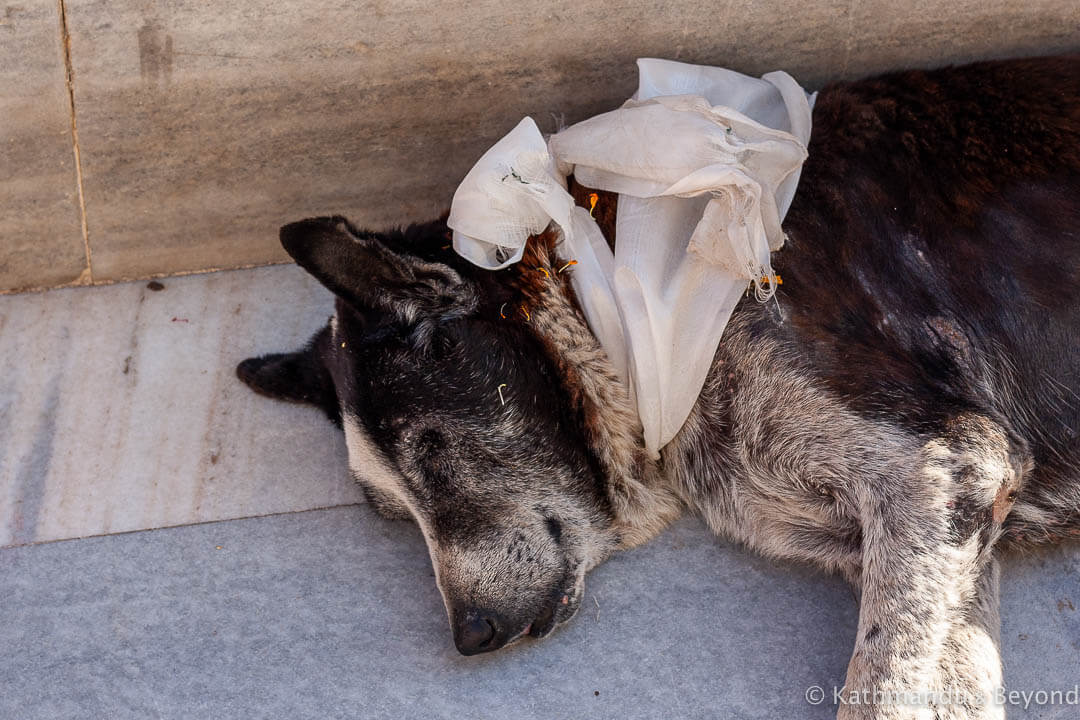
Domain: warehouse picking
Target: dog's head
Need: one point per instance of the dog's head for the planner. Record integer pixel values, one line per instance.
(478, 404)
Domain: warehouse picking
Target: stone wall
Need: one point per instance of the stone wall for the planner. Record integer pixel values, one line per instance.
(140, 138)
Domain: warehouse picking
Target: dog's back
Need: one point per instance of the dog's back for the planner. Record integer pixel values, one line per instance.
(933, 261)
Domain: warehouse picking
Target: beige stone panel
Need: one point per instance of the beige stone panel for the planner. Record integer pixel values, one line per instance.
(41, 242)
(206, 126)
(930, 33)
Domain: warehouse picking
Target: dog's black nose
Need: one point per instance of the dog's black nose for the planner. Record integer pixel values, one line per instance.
(476, 633)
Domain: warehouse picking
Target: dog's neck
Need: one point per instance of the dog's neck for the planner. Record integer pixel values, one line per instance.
(641, 499)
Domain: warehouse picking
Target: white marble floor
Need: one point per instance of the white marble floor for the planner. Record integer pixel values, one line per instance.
(120, 409)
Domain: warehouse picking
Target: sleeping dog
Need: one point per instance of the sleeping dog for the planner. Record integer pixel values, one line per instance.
(907, 408)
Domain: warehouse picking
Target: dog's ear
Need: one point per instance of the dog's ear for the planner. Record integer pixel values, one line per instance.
(297, 377)
(361, 268)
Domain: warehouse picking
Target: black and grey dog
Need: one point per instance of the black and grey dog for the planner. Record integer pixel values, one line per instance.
(908, 408)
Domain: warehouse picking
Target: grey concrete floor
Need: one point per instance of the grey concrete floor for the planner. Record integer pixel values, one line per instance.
(334, 613)
(326, 613)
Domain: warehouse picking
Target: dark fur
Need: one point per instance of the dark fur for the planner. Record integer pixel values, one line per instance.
(934, 256)
(909, 403)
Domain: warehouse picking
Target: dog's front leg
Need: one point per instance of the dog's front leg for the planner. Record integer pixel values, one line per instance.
(969, 670)
(927, 596)
(967, 679)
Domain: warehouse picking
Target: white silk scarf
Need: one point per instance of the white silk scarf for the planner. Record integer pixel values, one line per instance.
(705, 161)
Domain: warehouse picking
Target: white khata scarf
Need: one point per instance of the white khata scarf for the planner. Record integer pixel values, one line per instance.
(706, 162)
